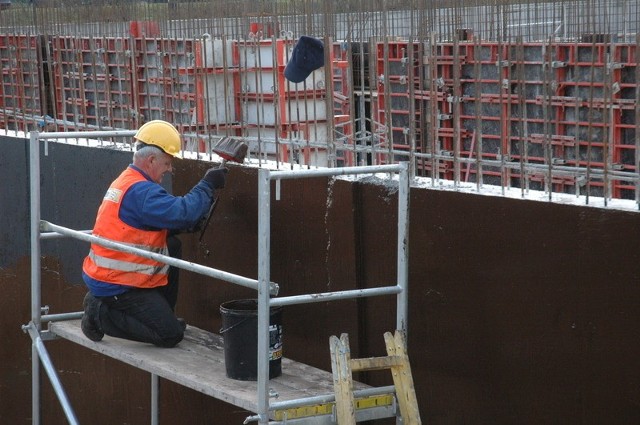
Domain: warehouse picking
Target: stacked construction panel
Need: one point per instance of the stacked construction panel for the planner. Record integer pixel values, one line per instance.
(395, 111)
(240, 90)
(274, 109)
(342, 109)
(159, 86)
(92, 82)
(20, 98)
(120, 82)
(553, 116)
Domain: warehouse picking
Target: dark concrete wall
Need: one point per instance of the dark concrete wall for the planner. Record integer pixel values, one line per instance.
(520, 312)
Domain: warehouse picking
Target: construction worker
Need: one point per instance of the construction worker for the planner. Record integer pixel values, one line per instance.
(130, 296)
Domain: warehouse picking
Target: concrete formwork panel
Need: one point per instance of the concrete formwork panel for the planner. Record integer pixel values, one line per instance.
(20, 90)
(550, 103)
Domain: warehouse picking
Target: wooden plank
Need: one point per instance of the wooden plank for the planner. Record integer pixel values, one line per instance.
(198, 363)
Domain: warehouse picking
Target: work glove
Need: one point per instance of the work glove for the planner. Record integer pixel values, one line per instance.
(216, 177)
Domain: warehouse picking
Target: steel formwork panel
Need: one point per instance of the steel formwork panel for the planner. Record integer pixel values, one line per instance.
(159, 86)
(93, 81)
(268, 98)
(246, 80)
(262, 64)
(569, 104)
(397, 112)
(549, 103)
(20, 97)
(341, 79)
(217, 105)
(342, 98)
(204, 86)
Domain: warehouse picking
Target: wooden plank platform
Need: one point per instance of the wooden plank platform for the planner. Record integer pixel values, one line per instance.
(198, 363)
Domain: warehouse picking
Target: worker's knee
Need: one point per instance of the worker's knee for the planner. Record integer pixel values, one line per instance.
(173, 334)
(170, 340)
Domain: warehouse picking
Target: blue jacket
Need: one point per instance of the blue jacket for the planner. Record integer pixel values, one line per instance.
(147, 205)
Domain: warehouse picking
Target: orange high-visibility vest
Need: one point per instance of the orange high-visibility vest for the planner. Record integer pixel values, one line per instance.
(118, 267)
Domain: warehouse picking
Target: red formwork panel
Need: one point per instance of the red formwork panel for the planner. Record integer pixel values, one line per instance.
(121, 82)
(437, 121)
(92, 81)
(159, 86)
(272, 106)
(262, 80)
(486, 101)
(139, 29)
(216, 106)
(581, 95)
(396, 111)
(341, 79)
(20, 97)
(554, 104)
(240, 89)
(342, 89)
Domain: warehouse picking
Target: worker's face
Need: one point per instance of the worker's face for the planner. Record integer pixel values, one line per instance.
(159, 164)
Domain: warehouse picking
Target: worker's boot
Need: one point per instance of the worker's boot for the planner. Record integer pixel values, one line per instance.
(89, 324)
(183, 323)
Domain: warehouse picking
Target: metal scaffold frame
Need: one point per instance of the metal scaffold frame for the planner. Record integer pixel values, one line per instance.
(42, 230)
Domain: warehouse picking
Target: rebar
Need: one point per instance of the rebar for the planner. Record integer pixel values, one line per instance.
(461, 90)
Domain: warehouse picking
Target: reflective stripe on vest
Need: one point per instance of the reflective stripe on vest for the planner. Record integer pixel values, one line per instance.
(118, 267)
(126, 266)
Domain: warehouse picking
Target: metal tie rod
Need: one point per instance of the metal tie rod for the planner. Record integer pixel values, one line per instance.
(45, 226)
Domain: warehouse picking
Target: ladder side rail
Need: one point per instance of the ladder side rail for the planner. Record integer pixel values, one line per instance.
(341, 365)
(396, 345)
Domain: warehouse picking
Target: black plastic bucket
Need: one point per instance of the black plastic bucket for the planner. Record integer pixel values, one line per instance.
(240, 335)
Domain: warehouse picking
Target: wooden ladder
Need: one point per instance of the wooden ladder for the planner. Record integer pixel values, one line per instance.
(397, 360)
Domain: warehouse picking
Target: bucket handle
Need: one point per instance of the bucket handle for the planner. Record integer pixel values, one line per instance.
(222, 330)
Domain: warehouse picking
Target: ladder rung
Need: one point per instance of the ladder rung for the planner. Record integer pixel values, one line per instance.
(375, 363)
